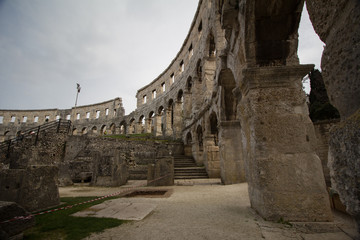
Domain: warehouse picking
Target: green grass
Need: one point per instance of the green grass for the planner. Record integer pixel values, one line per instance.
(60, 225)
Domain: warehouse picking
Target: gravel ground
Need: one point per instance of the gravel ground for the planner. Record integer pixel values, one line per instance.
(205, 209)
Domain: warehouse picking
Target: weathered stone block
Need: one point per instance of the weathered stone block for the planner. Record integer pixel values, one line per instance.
(161, 173)
(8, 211)
(34, 188)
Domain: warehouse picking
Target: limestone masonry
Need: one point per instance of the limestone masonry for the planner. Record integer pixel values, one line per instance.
(233, 95)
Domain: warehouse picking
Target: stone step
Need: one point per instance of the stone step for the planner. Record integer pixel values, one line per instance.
(191, 177)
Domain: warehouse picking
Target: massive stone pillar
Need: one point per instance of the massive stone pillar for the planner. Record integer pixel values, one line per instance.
(212, 159)
(187, 105)
(283, 171)
(232, 168)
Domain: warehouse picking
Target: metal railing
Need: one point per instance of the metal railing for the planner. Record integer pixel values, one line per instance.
(57, 125)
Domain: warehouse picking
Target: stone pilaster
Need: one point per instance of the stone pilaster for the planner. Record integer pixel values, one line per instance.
(232, 169)
(283, 171)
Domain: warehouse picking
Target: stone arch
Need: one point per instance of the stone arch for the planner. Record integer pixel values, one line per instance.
(199, 70)
(228, 101)
(160, 121)
(210, 45)
(74, 132)
(141, 124)
(169, 118)
(113, 128)
(189, 84)
(213, 126)
(6, 135)
(199, 136)
(103, 130)
(276, 30)
(132, 126)
(123, 127)
(150, 122)
(94, 130)
(84, 131)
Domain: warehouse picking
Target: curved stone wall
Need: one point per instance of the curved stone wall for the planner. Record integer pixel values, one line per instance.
(89, 119)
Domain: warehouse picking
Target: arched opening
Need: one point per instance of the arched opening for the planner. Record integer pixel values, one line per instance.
(141, 124)
(123, 127)
(94, 130)
(103, 130)
(211, 46)
(160, 121)
(6, 135)
(112, 128)
(132, 126)
(150, 122)
(188, 145)
(170, 118)
(199, 70)
(228, 101)
(84, 131)
(189, 84)
(199, 134)
(214, 131)
(180, 98)
(74, 131)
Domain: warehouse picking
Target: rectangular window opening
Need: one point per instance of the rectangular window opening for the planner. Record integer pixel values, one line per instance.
(106, 111)
(87, 115)
(114, 112)
(182, 66)
(47, 118)
(97, 114)
(13, 118)
(36, 119)
(154, 94)
(78, 116)
(1, 119)
(57, 117)
(163, 87)
(191, 51)
(172, 77)
(68, 117)
(144, 99)
(24, 119)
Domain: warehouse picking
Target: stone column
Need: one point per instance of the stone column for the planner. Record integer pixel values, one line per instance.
(232, 167)
(178, 119)
(168, 130)
(283, 171)
(158, 131)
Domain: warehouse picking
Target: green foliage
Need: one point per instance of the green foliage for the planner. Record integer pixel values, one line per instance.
(60, 225)
(323, 111)
(282, 221)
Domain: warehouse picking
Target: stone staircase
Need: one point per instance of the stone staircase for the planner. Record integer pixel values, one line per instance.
(185, 168)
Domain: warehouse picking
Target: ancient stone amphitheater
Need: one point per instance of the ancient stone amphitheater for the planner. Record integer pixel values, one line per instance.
(233, 95)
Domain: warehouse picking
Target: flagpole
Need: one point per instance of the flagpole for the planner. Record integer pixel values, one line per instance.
(77, 94)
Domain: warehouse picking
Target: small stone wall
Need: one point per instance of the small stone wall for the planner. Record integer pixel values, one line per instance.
(34, 188)
(111, 162)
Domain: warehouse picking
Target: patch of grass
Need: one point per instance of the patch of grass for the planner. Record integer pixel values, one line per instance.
(60, 225)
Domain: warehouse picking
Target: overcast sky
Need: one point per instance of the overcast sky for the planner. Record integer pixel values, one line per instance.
(110, 47)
